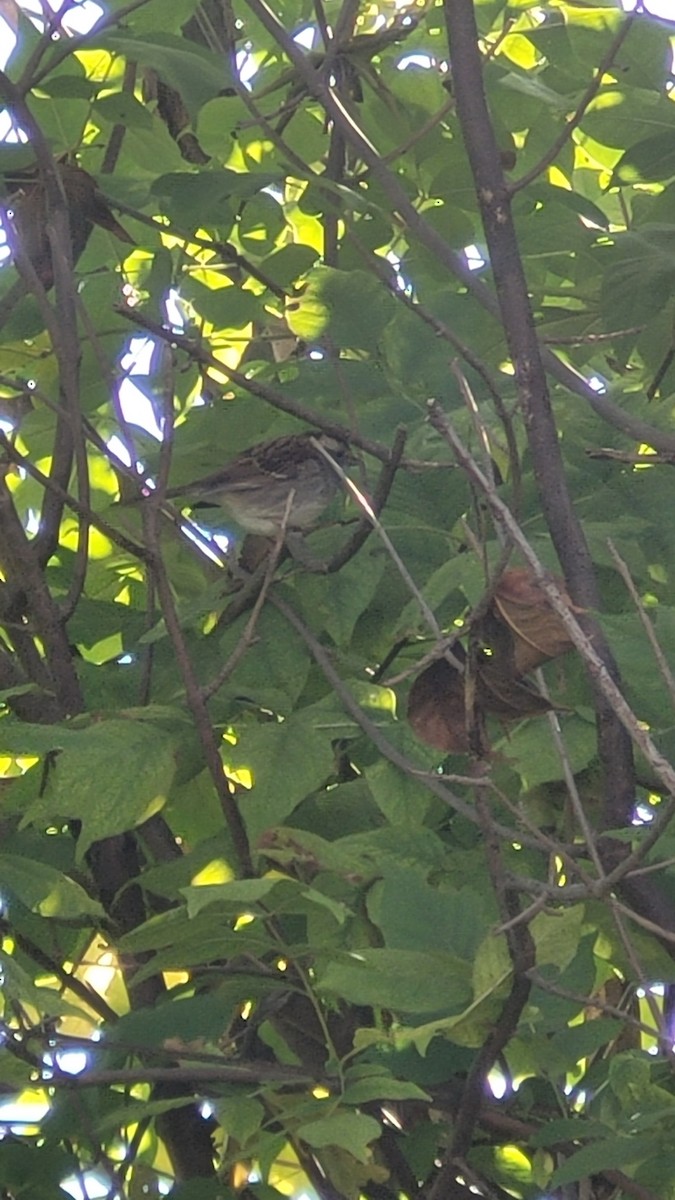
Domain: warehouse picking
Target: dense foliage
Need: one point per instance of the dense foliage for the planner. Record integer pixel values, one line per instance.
(347, 871)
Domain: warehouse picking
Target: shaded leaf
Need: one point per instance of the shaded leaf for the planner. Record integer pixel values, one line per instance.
(613, 1152)
(266, 750)
(650, 160)
(44, 890)
(351, 1131)
(111, 777)
(404, 980)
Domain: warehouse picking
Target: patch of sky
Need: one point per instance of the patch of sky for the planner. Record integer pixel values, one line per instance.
(475, 259)
(305, 37)
(95, 1183)
(403, 284)
(664, 9)
(415, 60)
(597, 383)
(77, 17)
(135, 405)
(71, 1062)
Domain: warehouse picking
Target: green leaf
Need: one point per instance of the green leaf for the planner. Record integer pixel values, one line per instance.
(275, 677)
(33, 1172)
(348, 306)
(266, 750)
(648, 161)
(111, 777)
(403, 980)
(187, 1020)
(609, 1154)
(557, 937)
(68, 87)
(238, 895)
(120, 107)
(569, 1129)
(225, 307)
(641, 274)
(340, 602)
(18, 987)
(261, 224)
(196, 73)
(534, 88)
(214, 128)
(206, 197)
(415, 916)
(351, 1131)
(400, 799)
(492, 966)
(645, 687)
(44, 890)
(241, 1117)
(534, 755)
(22, 738)
(364, 1083)
(580, 1041)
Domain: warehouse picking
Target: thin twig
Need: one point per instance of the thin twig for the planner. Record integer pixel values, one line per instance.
(225, 250)
(419, 134)
(578, 115)
(249, 632)
(595, 665)
(476, 419)
(661, 932)
(380, 497)
(196, 702)
(618, 912)
(523, 957)
(119, 539)
(70, 46)
(273, 397)
(570, 782)
(662, 662)
(633, 458)
(367, 508)
(524, 916)
(589, 339)
(190, 1075)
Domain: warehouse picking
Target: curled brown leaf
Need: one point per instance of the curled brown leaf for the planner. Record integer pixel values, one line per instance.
(518, 633)
(436, 708)
(537, 632)
(87, 207)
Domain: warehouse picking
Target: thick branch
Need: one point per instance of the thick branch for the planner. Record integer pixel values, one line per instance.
(516, 315)
(23, 574)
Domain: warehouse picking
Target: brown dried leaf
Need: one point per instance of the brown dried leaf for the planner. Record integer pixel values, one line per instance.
(508, 698)
(537, 631)
(87, 207)
(436, 708)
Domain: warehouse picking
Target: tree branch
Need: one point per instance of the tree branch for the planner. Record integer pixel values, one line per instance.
(577, 117)
(512, 293)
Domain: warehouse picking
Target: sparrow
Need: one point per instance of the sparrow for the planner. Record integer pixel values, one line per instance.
(255, 486)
